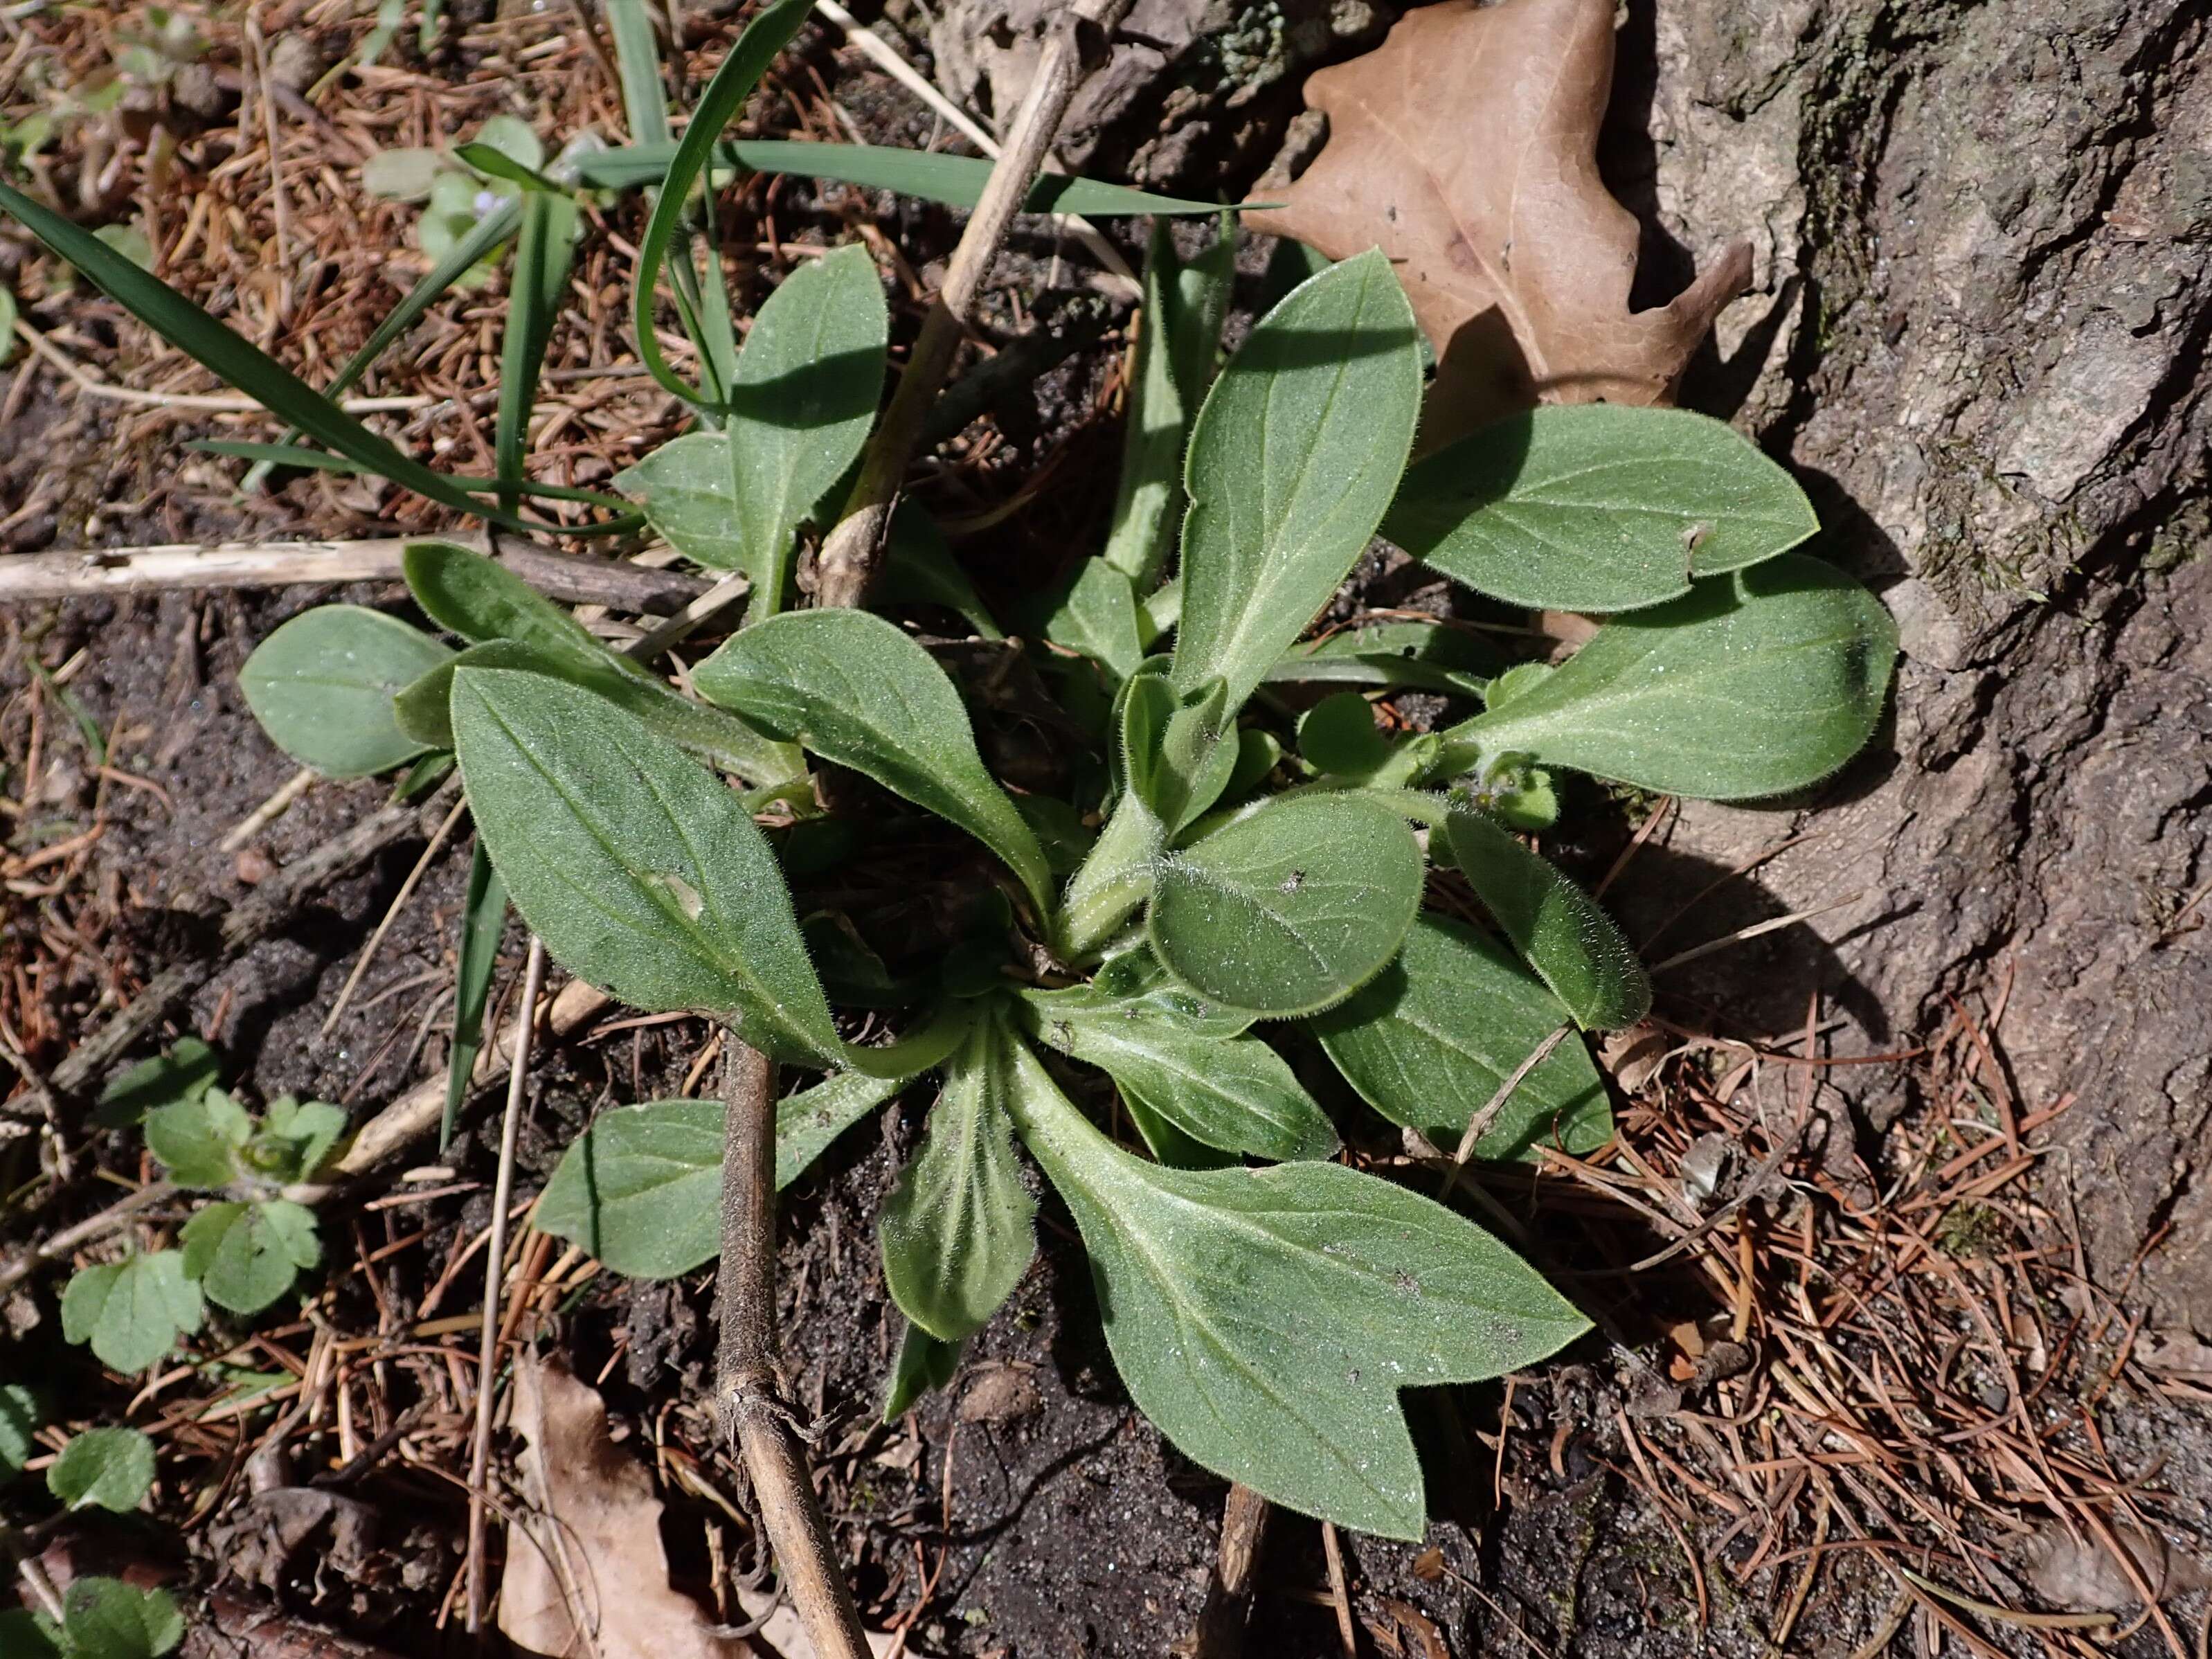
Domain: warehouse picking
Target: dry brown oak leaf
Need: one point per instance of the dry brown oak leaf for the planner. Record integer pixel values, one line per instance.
(1465, 146)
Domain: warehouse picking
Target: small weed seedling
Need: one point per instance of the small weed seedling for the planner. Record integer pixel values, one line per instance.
(242, 1251)
(1232, 886)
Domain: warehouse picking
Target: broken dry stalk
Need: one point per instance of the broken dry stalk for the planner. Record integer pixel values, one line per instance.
(624, 586)
(1220, 1630)
(749, 1401)
(855, 548)
(534, 982)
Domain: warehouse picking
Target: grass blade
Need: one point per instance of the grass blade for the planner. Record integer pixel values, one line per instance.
(955, 180)
(316, 460)
(494, 227)
(483, 919)
(237, 360)
(543, 255)
(740, 72)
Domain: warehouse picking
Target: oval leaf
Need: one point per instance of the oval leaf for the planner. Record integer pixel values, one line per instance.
(1229, 1091)
(424, 709)
(480, 600)
(1751, 684)
(1291, 907)
(1597, 507)
(1296, 453)
(1562, 931)
(1430, 1039)
(109, 1468)
(687, 492)
(642, 873)
(322, 687)
(956, 1231)
(807, 384)
(641, 1188)
(855, 689)
(1265, 1319)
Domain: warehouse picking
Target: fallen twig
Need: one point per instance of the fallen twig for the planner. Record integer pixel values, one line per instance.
(618, 585)
(1219, 1633)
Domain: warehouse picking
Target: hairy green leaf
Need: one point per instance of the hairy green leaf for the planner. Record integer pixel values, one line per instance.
(1290, 907)
(1233, 1093)
(1562, 932)
(1425, 656)
(688, 490)
(132, 1311)
(1429, 1041)
(322, 687)
(481, 600)
(1294, 455)
(20, 1414)
(424, 709)
(1597, 507)
(956, 1231)
(805, 393)
(808, 382)
(108, 1468)
(1096, 617)
(640, 1189)
(924, 1363)
(642, 873)
(856, 690)
(1750, 684)
(244, 1256)
(107, 1619)
(1178, 338)
(200, 1141)
(294, 1138)
(183, 1071)
(1265, 1320)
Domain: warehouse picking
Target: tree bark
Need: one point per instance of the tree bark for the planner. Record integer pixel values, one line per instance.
(1982, 234)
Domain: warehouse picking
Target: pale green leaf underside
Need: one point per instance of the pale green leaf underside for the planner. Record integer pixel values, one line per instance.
(640, 1189)
(1597, 507)
(855, 689)
(1291, 907)
(1559, 930)
(956, 1232)
(1296, 454)
(1750, 684)
(1266, 1319)
(642, 872)
(322, 687)
(689, 494)
(1429, 1041)
(1229, 1091)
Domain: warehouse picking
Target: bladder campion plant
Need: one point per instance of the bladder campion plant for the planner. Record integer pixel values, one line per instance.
(1232, 883)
